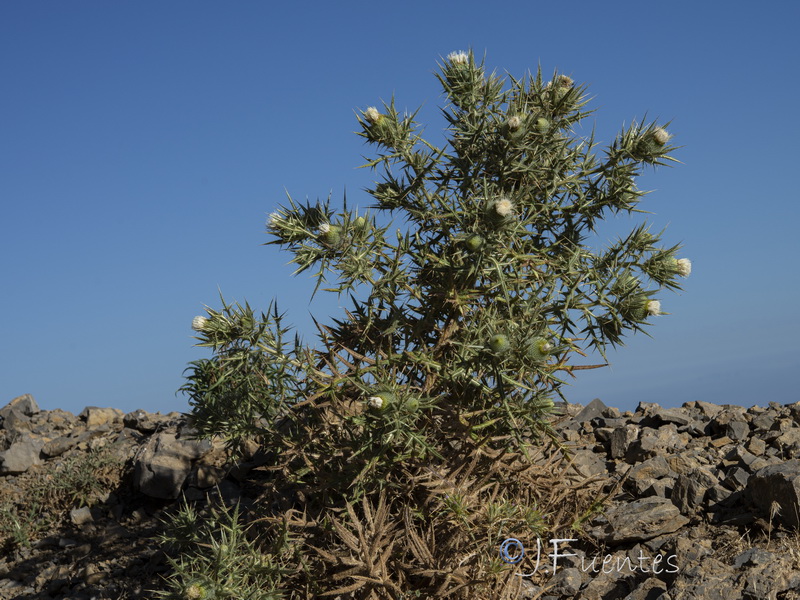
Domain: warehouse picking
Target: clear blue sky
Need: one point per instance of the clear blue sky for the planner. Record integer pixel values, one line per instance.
(143, 144)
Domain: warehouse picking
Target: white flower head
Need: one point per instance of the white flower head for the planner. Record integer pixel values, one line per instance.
(514, 123)
(458, 58)
(372, 115)
(274, 220)
(199, 323)
(324, 228)
(546, 347)
(504, 207)
(565, 81)
(375, 401)
(194, 592)
(684, 266)
(654, 307)
(661, 136)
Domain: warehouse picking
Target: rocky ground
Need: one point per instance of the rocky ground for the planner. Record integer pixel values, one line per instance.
(706, 503)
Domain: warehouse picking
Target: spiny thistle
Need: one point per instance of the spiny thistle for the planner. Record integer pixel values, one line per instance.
(461, 322)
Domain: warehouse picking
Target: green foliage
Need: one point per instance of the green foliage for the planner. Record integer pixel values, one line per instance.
(50, 492)
(218, 560)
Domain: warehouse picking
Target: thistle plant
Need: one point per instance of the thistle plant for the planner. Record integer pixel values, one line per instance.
(463, 322)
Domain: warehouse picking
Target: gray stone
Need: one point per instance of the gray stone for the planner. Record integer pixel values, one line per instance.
(15, 420)
(737, 478)
(566, 582)
(775, 491)
(672, 415)
(81, 516)
(95, 416)
(165, 463)
(708, 409)
(738, 430)
(659, 487)
(638, 521)
(652, 468)
(706, 580)
(651, 588)
(594, 409)
(143, 421)
(621, 439)
(690, 489)
(764, 421)
(58, 446)
(25, 404)
(20, 456)
(756, 446)
(753, 557)
(587, 463)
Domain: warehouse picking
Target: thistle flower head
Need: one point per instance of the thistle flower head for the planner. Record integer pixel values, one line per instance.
(199, 323)
(499, 344)
(684, 266)
(661, 136)
(653, 308)
(459, 58)
(565, 81)
(381, 400)
(372, 115)
(542, 124)
(504, 207)
(194, 592)
(539, 349)
(329, 234)
(274, 220)
(474, 242)
(514, 123)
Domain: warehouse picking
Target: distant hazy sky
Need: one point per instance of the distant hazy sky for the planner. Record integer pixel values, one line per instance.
(143, 144)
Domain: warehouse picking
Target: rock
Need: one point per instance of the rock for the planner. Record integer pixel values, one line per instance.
(690, 490)
(587, 463)
(21, 456)
(81, 516)
(95, 416)
(738, 430)
(566, 582)
(621, 439)
(24, 404)
(594, 409)
(638, 521)
(706, 580)
(165, 464)
(672, 415)
(15, 420)
(143, 421)
(775, 491)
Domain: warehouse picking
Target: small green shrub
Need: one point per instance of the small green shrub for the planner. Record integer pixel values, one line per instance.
(50, 492)
(217, 560)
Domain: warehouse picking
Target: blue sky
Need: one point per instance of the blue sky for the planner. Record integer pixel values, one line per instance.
(143, 144)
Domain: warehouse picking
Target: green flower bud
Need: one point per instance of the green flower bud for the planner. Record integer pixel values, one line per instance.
(547, 404)
(474, 242)
(330, 235)
(360, 223)
(499, 344)
(412, 404)
(539, 349)
(542, 125)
